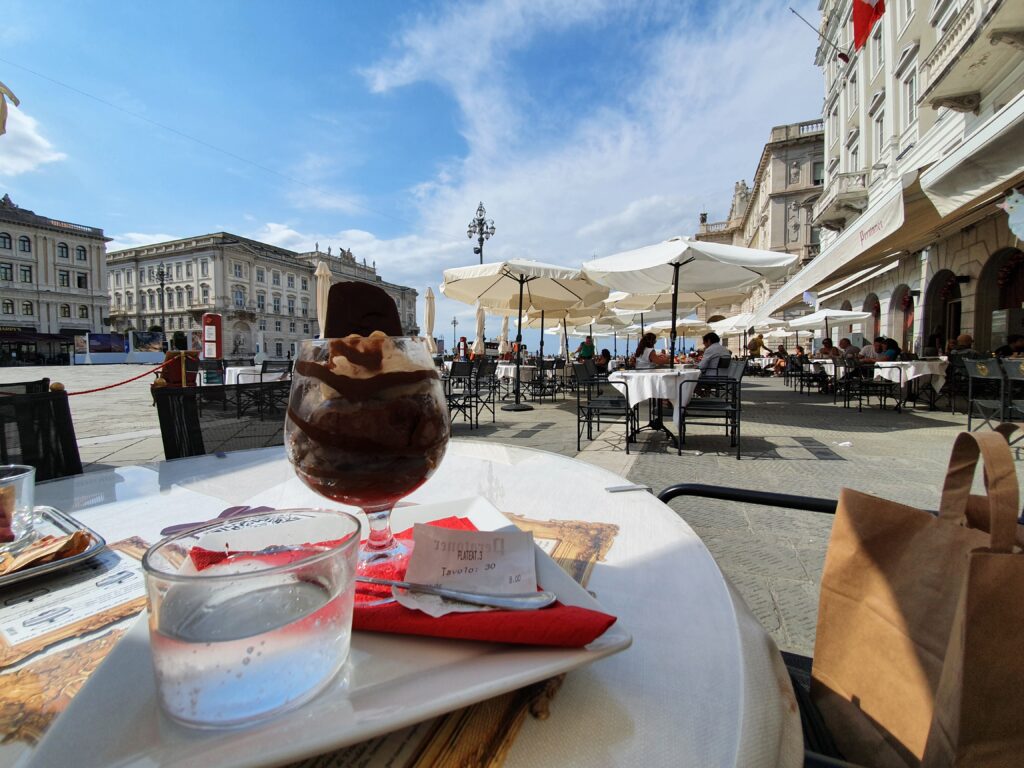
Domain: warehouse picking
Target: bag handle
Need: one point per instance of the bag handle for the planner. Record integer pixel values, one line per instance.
(1000, 485)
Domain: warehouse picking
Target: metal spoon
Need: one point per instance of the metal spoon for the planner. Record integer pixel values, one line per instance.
(519, 602)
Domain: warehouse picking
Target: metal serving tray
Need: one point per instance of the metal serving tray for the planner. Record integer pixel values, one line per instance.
(51, 521)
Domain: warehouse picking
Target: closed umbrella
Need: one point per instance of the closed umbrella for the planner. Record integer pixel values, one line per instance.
(323, 289)
(503, 344)
(478, 342)
(428, 320)
(693, 266)
(523, 285)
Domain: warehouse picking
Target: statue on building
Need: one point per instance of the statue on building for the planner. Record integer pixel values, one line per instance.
(6, 93)
(316, 246)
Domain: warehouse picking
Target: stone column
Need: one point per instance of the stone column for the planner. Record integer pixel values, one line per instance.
(919, 308)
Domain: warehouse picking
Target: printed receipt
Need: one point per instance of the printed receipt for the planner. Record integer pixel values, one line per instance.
(491, 562)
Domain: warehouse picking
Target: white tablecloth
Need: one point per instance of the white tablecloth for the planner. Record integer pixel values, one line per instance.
(905, 372)
(702, 684)
(507, 371)
(658, 385)
(242, 374)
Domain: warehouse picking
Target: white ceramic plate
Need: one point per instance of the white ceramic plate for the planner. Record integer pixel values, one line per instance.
(393, 681)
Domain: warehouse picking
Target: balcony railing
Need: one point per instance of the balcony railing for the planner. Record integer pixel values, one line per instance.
(949, 47)
(797, 130)
(845, 196)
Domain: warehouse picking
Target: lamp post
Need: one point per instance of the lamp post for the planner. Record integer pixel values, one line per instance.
(483, 228)
(455, 341)
(161, 275)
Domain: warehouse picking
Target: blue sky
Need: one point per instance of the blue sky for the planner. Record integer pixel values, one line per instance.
(585, 126)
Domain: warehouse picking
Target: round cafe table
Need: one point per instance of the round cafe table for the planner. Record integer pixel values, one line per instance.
(702, 683)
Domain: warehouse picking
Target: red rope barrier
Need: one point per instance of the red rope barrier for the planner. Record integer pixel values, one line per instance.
(126, 381)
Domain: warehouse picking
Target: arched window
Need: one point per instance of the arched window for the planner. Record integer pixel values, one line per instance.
(24, 244)
(239, 296)
(8, 307)
(180, 296)
(5, 241)
(26, 308)
(204, 292)
(117, 300)
(83, 312)
(874, 306)
(80, 253)
(62, 250)
(65, 310)
(129, 300)
(188, 293)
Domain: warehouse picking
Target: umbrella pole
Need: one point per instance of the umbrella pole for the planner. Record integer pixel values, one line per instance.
(675, 300)
(517, 405)
(615, 344)
(540, 360)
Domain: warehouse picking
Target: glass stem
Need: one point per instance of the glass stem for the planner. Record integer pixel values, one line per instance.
(380, 529)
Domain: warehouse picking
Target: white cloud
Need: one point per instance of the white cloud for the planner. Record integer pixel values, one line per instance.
(136, 240)
(23, 148)
(684, 119)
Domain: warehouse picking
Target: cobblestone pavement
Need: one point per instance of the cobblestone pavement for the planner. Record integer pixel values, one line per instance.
(791, 443)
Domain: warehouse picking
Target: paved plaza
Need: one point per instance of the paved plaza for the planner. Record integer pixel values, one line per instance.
(792, 443)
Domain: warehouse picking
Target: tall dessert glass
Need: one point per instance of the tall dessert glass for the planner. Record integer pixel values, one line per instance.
(367, 424)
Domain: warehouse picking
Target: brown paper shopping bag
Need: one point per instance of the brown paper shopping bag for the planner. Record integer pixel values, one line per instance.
(891, 595)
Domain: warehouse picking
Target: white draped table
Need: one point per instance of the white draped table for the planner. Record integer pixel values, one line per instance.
(933, 371)
(657, 384)
(703, 684)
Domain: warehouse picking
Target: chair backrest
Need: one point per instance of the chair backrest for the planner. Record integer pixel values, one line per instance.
(213, 371)
(487, 369)
(591, 367)
(276, 366)
(36, 387)
(188, 428)
(461, 369)
(737, 367)
(582, 374)
(984, 369)
(37, 430)
(1013, 368)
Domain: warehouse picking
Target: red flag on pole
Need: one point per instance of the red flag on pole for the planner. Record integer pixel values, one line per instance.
(865, 14)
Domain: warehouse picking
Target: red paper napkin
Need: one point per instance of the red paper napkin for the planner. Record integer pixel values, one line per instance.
(557, 625)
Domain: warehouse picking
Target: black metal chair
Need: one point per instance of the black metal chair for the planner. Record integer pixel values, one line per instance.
(485, 388)
(986, 392)
(820, 750)
(868, 385)
(36, 429)
(275, 369)
(459, 391)
(596, 401)
(187, 432)
(721, 406)
(36, 387)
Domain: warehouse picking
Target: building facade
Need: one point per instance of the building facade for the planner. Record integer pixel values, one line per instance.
(266, 294)
(924, 129)
(52, 284)
(775, 212)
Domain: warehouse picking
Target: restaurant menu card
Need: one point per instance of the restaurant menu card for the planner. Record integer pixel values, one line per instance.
(490, 562)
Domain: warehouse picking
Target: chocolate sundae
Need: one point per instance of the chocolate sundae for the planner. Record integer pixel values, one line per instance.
(367, 418)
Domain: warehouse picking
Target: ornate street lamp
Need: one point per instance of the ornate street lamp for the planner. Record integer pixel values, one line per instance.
(483, 228)
(455, 341)
(161, 275)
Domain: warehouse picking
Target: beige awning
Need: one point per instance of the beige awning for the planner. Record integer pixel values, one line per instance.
(903, 219)
(989, 162)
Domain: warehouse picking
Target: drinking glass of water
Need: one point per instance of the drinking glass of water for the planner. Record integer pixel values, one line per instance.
(250, 616)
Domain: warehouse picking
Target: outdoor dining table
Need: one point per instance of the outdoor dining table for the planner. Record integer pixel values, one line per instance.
(248, 374)
(702, 683)
(655, 385)
(507, 372)
(923, 372)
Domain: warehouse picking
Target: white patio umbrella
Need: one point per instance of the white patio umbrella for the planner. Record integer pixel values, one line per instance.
(503, 346)
(524, 285)
(694, 266)
(323, 289)
(428, 320)
(823, 317)
(478, 342)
